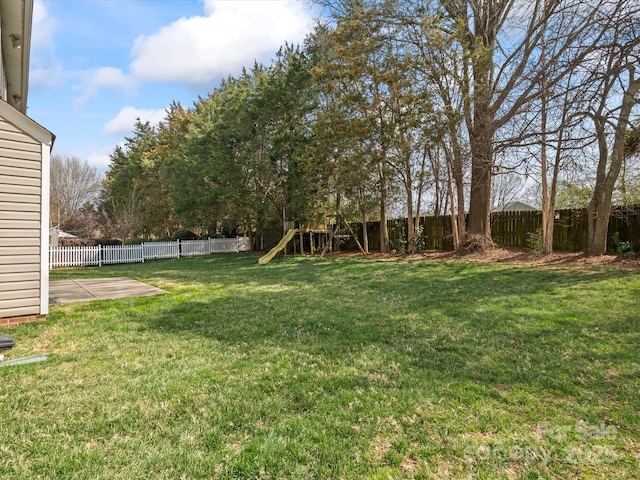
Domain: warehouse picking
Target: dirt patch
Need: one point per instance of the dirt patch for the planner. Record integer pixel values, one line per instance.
(511, 255)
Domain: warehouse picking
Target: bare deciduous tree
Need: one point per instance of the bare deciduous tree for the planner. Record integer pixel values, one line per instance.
(73, 183)
(616, 90)
(501, 40)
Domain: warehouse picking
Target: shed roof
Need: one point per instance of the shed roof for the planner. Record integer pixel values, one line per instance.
(26, 124)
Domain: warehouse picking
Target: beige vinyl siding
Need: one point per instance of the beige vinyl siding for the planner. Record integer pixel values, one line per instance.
(23, 169)
(13, 166)
(27, 225)
(20, 222)
(18, 234)
(17, 267)
(24, 292)
(22, 286)
(21, 276)
(21, 181)
(9, 259)
(8, 243)
(18, 216)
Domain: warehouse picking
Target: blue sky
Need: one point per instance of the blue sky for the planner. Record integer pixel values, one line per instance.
(96, 65)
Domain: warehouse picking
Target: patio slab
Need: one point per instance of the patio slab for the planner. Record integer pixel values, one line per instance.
(86, 290)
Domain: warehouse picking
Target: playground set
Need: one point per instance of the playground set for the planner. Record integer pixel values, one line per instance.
(320, 239)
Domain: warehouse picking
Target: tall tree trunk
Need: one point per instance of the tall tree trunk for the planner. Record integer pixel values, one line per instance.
(413, 215)
(548, 210)
(365, 232)
(335, 246)
(384, 229)
(482, 131)
(598, 222)
(437, 207)
(548, 219)
(455, 163)
(457, 172)
(416, 228)
(481, 170)
(411, 233)
(454, 160)
(301, 235)
(252, 238)
(600, 205)
(454, 222)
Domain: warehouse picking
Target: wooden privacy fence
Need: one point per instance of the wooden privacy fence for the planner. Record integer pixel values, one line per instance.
(513, 229)
(112, 254)
(570, 230)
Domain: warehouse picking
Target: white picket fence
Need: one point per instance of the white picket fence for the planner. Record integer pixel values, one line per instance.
(156, 250)
(112, 254)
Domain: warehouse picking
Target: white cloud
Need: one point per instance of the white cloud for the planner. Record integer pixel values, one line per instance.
(104, 77)
(123, 122)
(45, 70)
(43, 27)
(231, 34)
(100, 158)
(46, 76)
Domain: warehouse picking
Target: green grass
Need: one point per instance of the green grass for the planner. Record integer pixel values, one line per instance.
(333, 369)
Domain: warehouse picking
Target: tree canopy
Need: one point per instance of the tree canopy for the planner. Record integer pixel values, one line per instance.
(394, 107)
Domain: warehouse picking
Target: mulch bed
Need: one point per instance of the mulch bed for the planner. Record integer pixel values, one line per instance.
(509, 255)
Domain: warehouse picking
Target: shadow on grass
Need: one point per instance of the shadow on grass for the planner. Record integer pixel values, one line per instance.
(554, 330)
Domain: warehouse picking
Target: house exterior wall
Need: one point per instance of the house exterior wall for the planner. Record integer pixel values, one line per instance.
(23, 222)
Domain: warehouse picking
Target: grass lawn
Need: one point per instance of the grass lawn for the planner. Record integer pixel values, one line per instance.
(332, 369)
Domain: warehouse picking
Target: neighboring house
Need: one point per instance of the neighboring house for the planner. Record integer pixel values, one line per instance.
(515, 207)
(25, 149)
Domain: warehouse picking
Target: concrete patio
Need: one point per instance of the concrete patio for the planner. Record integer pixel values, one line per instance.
(72, 291)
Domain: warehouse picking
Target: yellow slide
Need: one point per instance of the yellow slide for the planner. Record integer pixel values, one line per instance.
(274, 251)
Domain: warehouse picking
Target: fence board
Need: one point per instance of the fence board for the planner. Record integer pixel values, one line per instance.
(244, 244)
(113, 254)
(108, 255)
(224, 245)
(74, 256)
(513, 229)
(195, 247)
(157, 250)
